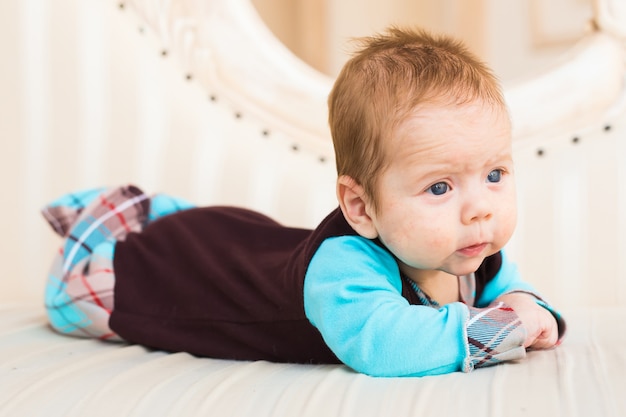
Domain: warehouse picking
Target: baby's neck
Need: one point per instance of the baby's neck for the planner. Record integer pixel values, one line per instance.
(438, 285)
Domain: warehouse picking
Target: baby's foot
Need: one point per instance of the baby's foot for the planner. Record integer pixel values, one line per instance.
(111, 215)
(62, 213)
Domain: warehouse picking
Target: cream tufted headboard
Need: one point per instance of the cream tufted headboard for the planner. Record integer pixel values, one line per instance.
(197, 98)
(570, 149)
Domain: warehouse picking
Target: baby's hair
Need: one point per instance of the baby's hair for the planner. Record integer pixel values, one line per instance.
(388, 77)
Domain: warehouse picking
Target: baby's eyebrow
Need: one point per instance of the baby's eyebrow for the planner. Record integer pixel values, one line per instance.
(504, 155)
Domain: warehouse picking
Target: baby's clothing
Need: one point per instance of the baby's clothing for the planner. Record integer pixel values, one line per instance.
(231, 283)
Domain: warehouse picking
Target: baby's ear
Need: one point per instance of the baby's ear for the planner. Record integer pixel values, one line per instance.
(355, 206)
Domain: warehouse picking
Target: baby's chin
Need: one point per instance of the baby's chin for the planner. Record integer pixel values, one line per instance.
(467, 267)
(470, 265)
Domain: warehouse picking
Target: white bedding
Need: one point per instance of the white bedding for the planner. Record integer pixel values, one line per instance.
(249, 129)
(42, 373)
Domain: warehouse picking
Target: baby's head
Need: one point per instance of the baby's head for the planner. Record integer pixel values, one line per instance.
(423, 146)
(390, 77)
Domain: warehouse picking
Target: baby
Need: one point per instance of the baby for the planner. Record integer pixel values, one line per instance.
(407, 277)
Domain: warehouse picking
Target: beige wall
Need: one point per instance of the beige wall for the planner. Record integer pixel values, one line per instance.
(301, 25)
(350, 18)
(89, 100)
(516, 37)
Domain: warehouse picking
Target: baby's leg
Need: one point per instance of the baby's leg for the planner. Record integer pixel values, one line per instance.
(164, 204)
(80, 301)
(79, 290)
(63, 212)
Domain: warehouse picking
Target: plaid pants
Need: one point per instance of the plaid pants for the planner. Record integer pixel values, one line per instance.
(79, 292)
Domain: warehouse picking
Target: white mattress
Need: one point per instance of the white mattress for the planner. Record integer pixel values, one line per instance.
(42, 373)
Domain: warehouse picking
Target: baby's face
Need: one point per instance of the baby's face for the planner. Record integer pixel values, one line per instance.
(447, 198)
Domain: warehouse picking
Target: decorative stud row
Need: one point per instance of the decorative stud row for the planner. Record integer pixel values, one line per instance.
(213, 98)
(575, 140)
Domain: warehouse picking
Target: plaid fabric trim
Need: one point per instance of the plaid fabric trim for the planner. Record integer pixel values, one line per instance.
(495, 334)
(111, 216)
(79, 290)
(80, 302)
(62, 213)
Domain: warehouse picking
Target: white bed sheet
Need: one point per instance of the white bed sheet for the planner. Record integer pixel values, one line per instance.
(43, 373)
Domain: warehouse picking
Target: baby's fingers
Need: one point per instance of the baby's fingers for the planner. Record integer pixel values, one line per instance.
(548, 337)
(544, 342)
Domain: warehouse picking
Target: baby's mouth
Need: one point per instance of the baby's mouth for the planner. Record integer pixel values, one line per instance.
(473, 250)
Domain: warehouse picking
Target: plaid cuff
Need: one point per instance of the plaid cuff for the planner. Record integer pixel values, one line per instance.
(495, 335)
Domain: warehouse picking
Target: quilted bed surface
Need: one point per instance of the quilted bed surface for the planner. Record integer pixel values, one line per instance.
(43, 373)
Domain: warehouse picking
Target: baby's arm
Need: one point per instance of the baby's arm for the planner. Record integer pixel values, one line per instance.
(352, 294)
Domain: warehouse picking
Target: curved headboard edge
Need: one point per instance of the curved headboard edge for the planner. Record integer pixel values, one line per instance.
(576, 91)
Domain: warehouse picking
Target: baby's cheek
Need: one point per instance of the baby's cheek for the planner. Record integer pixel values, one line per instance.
(438, 233)
(511, 211)
(508, 212)
(437, 244)
(436, 240)
(420, 243)
(506, 227)
(415, 248)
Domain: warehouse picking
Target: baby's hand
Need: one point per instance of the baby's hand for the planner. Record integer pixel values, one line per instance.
(541, 327)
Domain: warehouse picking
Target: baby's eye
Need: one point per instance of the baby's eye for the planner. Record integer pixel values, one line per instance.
(438, 189)
(495, 175)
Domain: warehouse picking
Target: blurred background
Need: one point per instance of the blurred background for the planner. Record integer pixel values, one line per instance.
(96, 92)
(516, 37)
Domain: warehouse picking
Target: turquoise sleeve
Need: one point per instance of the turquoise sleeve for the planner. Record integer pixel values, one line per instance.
(358, 307)
(507, 280)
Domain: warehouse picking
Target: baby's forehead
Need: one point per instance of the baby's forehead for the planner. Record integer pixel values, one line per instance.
(440, 125)
(442, 108)
(453, 99)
